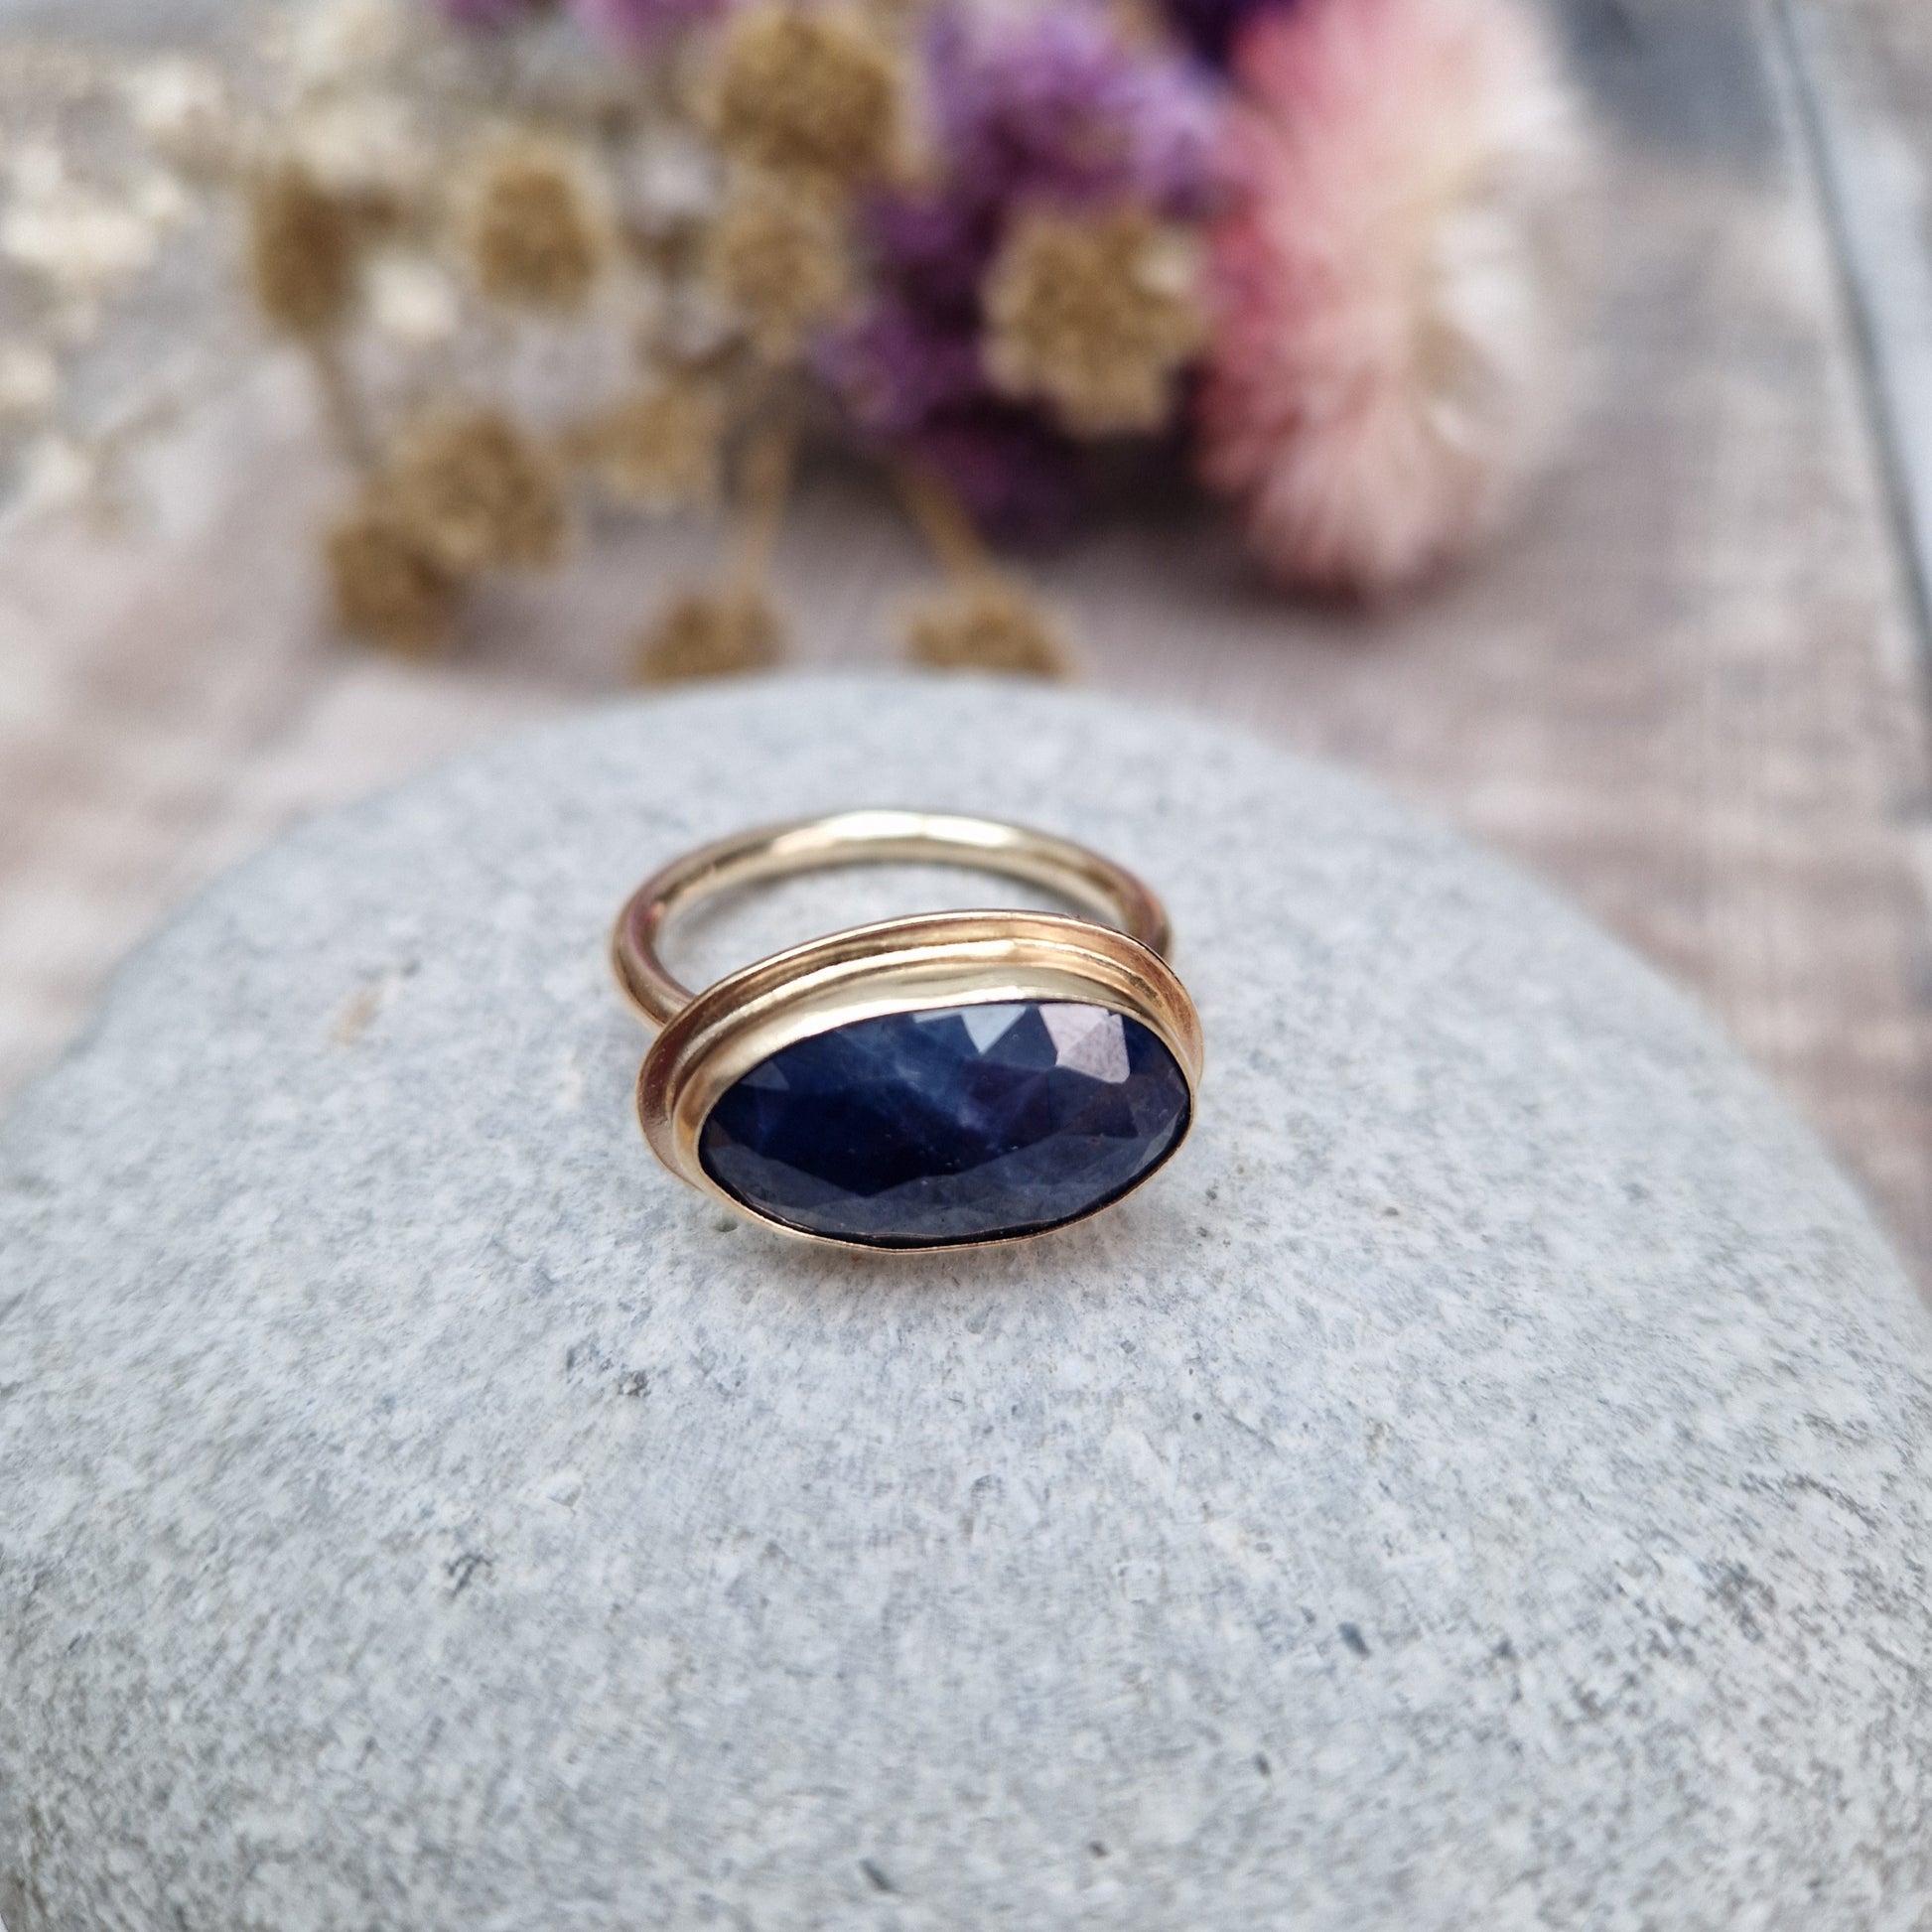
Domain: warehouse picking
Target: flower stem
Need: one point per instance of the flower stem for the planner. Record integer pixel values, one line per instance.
(943, 519)
(341, 408)
(764, 474)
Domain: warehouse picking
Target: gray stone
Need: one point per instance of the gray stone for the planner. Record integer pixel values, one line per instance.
(1486, 1480)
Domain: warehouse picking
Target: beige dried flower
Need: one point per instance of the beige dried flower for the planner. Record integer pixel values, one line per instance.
(1093, 315)
(659, 450)
(82, 238)
(778, 259)
(536, 238)
(56, 472)
(336, 42)
(816, 90)
(410, 298)
(30, 379)
(710, 635)
(475, 492)
(388, 587)
(180, 105)
(987, 627)
(305, 247)
(369, 148)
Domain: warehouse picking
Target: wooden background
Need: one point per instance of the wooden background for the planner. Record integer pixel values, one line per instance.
(1689, 687)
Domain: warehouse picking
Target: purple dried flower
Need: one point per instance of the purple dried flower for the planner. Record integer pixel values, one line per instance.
(485, 13)
(894, 368)
(933, 248)
(1059, 104)
(1209, 26)
(1017, 475)
(631, 24)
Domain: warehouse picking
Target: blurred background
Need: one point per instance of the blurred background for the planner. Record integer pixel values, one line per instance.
(1685, 681)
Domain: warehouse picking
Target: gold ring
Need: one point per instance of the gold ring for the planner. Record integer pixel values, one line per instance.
(941, 1080)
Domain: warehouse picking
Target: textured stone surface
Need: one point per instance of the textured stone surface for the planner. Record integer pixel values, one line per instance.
(1485, 1479)
(957, 1124)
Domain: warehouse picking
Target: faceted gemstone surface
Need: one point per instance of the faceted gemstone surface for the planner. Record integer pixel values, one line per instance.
(955, 1123)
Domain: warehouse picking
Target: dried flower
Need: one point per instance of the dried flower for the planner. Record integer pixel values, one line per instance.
(987, 627)
(779, 260)
(809, 91)
(1379, 373)
(30, 379)
(475, 492)
(536, 236)
(387, 585)
(181, 107)
(635, 24)
(659, 450)
(1059, 110)
(895, 366)
(670, 177)
(1094, 315)
(1017, 476)
(411, 300)
(1062, 102)
(56, 472)
(331, 42)
(912, 381)
(366, 147)
(933, 245)
(710, 635)
(487, 13)
(304, 245)
(1209, 27)
(78, 238)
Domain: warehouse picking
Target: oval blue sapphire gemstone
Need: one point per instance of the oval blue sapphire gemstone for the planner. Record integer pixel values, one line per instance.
(957, 1124)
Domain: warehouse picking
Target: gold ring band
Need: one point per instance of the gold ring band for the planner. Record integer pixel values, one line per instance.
(940, 1081)
(770, 852)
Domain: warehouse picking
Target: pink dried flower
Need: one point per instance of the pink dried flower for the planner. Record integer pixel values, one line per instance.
(1384, 294)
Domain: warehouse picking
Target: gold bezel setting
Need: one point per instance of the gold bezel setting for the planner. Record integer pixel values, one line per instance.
(910, 965)
(922, 966)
